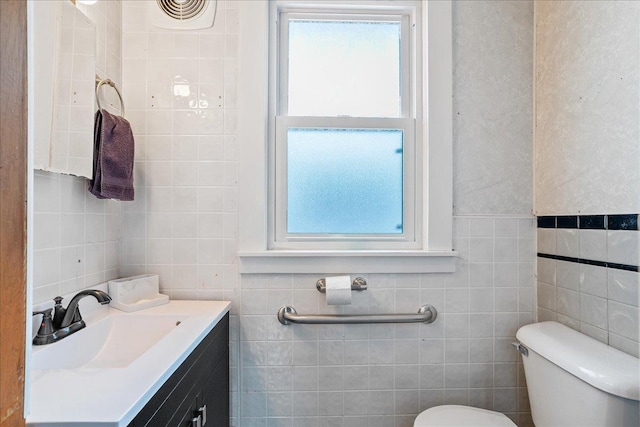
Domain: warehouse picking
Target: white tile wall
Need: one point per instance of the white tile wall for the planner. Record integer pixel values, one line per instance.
(76, 236)
(180, 90)
(107, 16)
(593, 244)
(567, 242)
(370, 375)
(575, 167)
(598, 301)
(623, 246)
(180, 87)
(581, 182)
(492, 126)
(73, 95)
(183, 226)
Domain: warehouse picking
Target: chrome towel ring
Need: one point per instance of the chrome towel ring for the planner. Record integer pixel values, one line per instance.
(99, 83)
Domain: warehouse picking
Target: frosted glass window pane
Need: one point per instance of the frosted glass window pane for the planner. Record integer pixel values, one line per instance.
(349, 68)
(344, 181)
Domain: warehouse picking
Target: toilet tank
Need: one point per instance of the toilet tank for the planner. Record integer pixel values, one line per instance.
(574, 380)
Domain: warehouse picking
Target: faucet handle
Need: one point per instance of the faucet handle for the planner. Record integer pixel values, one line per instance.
(46, 326)
(45, 313)
(58, 313)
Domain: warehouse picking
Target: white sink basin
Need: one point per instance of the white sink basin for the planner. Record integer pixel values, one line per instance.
(116, 364)
(113, 342)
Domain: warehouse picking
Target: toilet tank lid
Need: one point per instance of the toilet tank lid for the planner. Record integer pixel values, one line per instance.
(596, 363)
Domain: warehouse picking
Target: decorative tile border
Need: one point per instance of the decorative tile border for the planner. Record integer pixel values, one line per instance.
(566, 222)
(627, 222)
(623, 222)
(590, 262)
(591, 222)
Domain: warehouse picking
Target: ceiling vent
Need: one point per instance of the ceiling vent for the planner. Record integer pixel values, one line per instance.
(182, 14)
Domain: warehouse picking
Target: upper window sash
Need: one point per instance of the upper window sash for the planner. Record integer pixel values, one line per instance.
(405, 17)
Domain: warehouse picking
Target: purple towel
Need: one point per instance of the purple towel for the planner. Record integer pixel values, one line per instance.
(112, 158)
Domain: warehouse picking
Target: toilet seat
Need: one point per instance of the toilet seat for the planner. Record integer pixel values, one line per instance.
(461, 416)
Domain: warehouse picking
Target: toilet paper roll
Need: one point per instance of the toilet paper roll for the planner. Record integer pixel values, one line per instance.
(338, 290)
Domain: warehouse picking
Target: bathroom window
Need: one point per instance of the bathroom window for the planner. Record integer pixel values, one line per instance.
(344, 145)
(348, 157)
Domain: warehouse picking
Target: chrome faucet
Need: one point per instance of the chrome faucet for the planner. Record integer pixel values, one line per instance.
(65, 321)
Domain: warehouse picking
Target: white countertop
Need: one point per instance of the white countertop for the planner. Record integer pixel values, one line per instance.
(110, 397)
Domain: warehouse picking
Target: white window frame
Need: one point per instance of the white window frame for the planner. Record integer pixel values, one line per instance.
(431, 249)
(283, 12)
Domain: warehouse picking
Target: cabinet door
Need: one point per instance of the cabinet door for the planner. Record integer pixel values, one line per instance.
(215, 394)
(181, 403)
(187, 414)
(178, 399)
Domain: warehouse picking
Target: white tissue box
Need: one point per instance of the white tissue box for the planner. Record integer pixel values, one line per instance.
(136, 293)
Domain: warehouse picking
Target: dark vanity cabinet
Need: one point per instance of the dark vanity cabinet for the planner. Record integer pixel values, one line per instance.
(197, 394)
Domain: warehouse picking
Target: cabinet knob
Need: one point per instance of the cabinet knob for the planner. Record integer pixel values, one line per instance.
(202, 412)
(196, 422)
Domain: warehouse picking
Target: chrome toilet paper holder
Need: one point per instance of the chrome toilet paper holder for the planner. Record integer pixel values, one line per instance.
(358, 284)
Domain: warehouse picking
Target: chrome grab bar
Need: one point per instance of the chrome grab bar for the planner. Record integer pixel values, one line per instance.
(287, 314)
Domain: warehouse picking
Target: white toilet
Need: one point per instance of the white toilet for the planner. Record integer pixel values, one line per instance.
(572, 379)
(459, 416)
